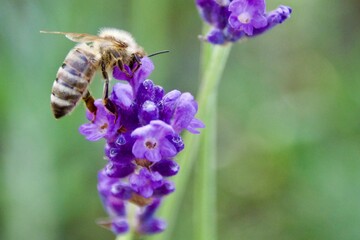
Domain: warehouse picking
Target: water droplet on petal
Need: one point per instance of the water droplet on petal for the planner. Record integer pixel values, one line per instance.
(113, 152)
(120, 140)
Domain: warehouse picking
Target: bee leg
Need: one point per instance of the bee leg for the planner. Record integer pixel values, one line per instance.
(120, 64)
(109, 105)
(138, 61)
(89, 102)
(106, 78)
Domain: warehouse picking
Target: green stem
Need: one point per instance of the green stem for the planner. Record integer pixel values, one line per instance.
(131, 235)
(213, 64)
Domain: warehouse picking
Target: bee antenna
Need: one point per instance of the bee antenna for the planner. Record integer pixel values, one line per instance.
(159, 52)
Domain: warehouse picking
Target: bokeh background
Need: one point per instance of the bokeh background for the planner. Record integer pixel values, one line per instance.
(289, 113)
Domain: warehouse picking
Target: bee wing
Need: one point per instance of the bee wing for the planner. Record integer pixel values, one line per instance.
(86, 38)
(78, 37)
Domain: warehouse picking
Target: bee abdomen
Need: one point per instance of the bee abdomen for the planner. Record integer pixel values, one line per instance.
(72, 80)
(60, 107)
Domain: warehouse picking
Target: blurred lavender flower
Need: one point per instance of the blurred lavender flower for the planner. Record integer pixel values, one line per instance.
(232, 20)
(142, 139)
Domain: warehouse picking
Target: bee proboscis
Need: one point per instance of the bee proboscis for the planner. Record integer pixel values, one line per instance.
(112, 47)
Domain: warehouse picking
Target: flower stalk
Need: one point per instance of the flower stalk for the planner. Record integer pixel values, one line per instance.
(213, 61)
(205, 179)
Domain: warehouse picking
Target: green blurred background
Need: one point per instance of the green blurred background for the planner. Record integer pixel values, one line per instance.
(289, 113)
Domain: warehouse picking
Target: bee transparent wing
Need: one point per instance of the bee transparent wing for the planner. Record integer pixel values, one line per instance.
(78, 37)
(86, 38)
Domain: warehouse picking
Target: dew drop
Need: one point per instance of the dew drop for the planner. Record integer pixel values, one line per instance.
(120, 140)
(148, 84)
(113, 152)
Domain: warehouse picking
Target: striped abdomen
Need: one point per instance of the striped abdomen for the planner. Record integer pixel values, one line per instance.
(72, 80)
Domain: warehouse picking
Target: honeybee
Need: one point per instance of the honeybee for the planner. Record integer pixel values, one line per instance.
(111, 47)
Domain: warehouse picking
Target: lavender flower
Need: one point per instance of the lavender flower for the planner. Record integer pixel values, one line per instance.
(142, 139)
(151, 142)
(232, 20)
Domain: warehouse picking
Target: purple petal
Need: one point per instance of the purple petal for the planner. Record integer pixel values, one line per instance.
(167, 149)
(153, 226)
(145, 191)
(177, 141)
(216, 36)
(139, 149)
(118, 170)
(259, 21)
(120, 226)
(153, 155)
(166, 188)
(194, 125)
(122, 95)
(135, 78)
(166, 167)
(236, 7)
(91, 132)
(121, 190)
(248, 29)
(142, 73)
(115, 206)
(161, 129)
(274, 18)
(148, 112)
(120, 75)
(184, 112)
(169, 104)
(149, 211)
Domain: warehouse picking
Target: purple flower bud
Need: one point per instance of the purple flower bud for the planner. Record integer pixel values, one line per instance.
(121, 190)
(274, 18)
(194, 125)
(169, 104)
(214, 13)
(148, 112)
(166, 167)
(177, 141)
(158, 93)
(147, 223)
(148, 212)
(179, 110)
(146, 92)
(145, 182)
(105, 183)
(120, 150)
(119, 226)
(216, 36)
(152, 226)
(166, 188)
(184, 113)
(122, 95)
(115, 206)
(119, 170)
